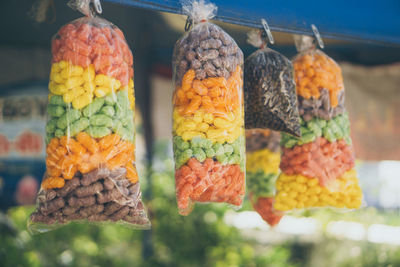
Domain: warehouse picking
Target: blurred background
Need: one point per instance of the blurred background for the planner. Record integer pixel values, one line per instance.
(213, 235)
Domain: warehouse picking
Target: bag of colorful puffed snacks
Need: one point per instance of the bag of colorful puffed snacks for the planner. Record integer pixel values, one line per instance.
(90, 162)
(318, 168)
(208, 119)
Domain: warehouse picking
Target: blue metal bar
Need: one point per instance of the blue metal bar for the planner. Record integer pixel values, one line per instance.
(366, 21)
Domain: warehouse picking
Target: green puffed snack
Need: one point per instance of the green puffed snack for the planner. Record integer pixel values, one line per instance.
(101, 120)
(314, 127)
(120, 112)
(228, 149)
(69, 117)
(182, 145)
(78, 126)
(219, 149)
(197, 142)
(183, 157)
(127, 120)
(223, 159)
(210, 153)
(122, 99)
(125, 133)
(234, 159)
(110, 99)
(55, 110)
(93, 107)
(59, 133)
(107, 110)
(199, 154)
(51, 125)
(307, 138)
(98, 131)
(57, 100)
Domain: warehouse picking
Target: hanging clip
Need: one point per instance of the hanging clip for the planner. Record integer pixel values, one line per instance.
(317, 36)
(97, 6)
(267, 31)
(188, 24)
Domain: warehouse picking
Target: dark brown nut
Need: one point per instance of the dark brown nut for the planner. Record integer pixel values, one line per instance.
(200, 74)
(94, 209)
(89, 190)
(68, 187)
(52, 206)
(81, 202)
(217, 62)
(97, 218)
(183, 64)
(190, 55)
(69, 210)
(195, 64)
(211, 44)
(94, 176)
(108, 184)
(108, 196)
(210, 69)
(119, 214)
(38, 217)
(206, 54)
(111, 208)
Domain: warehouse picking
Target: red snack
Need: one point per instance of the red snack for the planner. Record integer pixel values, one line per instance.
(208, 182)
(264, 207)
(321, 159)
(83, 44)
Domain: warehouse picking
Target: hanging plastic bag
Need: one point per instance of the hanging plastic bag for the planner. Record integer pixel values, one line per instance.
(270, 92)
(208, 119)
(90, 161)
(318, 168)
(262, 168)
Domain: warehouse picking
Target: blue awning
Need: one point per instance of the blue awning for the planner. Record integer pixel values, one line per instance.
(366, 21)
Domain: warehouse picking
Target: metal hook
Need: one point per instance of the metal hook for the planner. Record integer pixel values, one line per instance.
(268, 31)
(188, 24)
(317, 36)
(97, 6)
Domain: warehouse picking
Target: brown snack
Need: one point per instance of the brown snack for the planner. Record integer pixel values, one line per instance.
(47, 196)
(69, 210)
(108, 184)
(93, 202)
(68, 187)
(92, 189)
(208, 50)
(111, 207)
(38, 217)
(94, 176)
(81, 202)
(52, 206)
(108, 196)
(94, 209)
(119, 214)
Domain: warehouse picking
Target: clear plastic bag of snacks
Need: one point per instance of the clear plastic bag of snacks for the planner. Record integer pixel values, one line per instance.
(90, 154)
(262, 169)
(270, 92)
(318, 168)
(208, 119)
